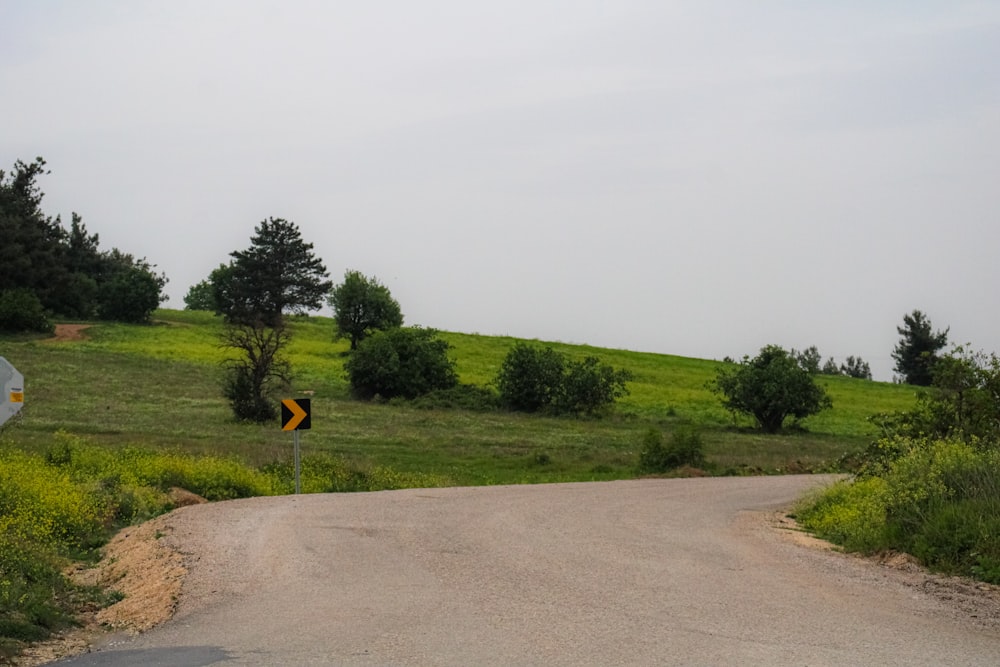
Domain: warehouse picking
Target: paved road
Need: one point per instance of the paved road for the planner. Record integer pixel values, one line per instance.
(650, 572)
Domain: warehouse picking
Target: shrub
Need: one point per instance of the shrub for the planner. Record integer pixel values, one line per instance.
(851, 514)
(535, 379)
(590, 387)
(21, 310)
(246, 401)
(530, 378)
(830, 367)
(684, 448)
(63, 505)
(404, 362)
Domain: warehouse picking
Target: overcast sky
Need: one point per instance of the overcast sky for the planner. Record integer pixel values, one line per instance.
(698, 178)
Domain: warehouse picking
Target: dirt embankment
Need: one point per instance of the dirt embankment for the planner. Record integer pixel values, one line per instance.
(148, 575)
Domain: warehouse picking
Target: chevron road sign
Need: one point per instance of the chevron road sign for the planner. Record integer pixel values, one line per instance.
(295, 414)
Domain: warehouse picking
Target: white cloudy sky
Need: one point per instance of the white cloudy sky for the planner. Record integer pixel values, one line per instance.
(695, 177)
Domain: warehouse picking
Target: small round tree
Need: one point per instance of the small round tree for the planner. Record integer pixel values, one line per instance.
(770, 387)
(362, 306)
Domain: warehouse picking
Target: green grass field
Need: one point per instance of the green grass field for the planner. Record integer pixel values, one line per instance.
(159, 386)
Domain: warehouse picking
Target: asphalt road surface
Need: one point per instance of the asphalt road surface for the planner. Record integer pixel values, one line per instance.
(649, 572)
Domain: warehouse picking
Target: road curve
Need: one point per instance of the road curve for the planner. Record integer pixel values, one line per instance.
(647, 572)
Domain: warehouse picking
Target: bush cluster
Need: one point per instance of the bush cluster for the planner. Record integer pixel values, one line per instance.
(533, 379)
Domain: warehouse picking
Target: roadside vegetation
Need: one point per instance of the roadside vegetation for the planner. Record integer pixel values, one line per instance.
(930, 486)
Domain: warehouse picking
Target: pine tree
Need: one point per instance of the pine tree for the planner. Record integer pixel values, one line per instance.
(917, 349)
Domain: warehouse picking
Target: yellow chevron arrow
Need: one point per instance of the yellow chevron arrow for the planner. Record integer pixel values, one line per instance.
(298, 414)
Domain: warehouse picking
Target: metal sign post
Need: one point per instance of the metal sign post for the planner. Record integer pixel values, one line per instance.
(296, 416)
(12, 388)
(298, 465)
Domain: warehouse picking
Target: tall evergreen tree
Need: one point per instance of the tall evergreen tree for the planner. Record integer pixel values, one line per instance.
(917, 349)
(32, 251)
(277, 274)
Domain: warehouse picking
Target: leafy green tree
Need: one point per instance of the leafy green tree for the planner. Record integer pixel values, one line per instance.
(402, 362)
(362, 306)
(856, 367)
(220, 284)
(131, 291)
(964, 398)
(277, 274)
(530, 378)
(200, 296)
(917, 349)
(770, 388)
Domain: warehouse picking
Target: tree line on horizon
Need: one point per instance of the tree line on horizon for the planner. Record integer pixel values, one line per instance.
(49, 271)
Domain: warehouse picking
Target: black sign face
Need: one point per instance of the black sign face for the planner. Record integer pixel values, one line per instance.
(296, 414)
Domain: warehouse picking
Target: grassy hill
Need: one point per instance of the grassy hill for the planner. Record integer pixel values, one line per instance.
(159, 386)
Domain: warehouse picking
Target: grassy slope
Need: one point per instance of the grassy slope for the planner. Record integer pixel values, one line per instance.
(159, 385)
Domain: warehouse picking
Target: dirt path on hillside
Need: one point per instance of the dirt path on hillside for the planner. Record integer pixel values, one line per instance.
(68, 332)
